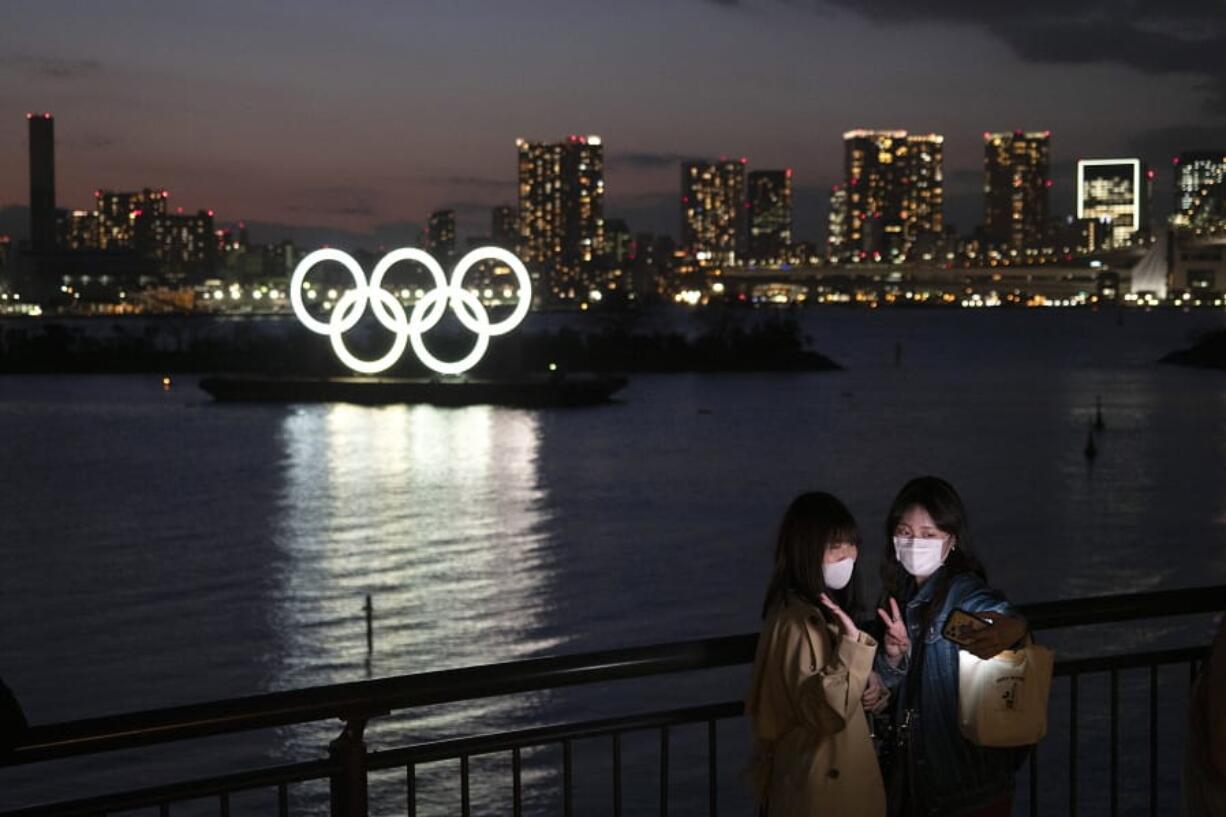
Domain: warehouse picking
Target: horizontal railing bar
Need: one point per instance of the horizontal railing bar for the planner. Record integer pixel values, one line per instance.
(1049, 615)
(186, 790)
(1105, 663)
(454, 748)
(544, 735)
(539, 736)
(361, 699)
(364, 699)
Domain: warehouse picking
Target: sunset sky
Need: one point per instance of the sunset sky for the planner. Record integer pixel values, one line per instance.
(364, 116)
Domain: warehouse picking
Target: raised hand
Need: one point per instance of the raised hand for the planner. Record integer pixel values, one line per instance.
(1001, 633)
(849, 627)
(897, 642)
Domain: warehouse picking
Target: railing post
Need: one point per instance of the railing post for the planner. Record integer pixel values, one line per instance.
(348, 782)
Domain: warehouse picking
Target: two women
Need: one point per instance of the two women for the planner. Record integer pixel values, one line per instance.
(811, 683)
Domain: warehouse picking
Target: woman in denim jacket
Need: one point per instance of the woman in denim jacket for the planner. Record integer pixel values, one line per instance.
(931, 569)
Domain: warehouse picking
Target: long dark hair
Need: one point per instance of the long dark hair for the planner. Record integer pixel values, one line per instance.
(812, 522)
(941, 501)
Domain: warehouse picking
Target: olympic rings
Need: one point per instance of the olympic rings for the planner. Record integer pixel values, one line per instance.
(426, 313)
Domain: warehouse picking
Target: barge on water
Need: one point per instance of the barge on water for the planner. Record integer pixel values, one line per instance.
(529, 392)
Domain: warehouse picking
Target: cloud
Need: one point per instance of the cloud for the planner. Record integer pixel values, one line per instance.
(49, 67)
(468, 208)
(1166, 142)
(307, 237)
(1155, 37)
(90, 141)
(646, 212)
(647, 160)
(396, 233)
(337, 200)
(470, 182)
(360, 209)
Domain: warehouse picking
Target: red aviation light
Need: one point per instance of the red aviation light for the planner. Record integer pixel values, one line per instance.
(210, 213)
(744, 160)
(788, 173)
(1174, 160)
(1149, 174)
(987, 135)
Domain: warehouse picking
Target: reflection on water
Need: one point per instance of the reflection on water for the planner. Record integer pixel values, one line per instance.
(161, 549)
(440, 516)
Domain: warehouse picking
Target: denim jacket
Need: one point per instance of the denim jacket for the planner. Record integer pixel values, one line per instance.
(950, 774)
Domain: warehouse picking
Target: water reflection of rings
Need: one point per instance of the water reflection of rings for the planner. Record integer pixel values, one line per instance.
(426, 313)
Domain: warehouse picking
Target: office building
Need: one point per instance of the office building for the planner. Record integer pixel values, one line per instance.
(42, 182)
(440, 234)
(185, 242)
(617, 241)
(1017, 180)
(1198, 189)
(713, 211)
(504, 227)
(561, 212)
(770, 216)
(893, 192)
(1116, 190)
(126, 220)
(836, 221)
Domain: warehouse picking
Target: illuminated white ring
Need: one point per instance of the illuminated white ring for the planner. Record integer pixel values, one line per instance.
(295, 288)
(395, 257)
(470, 321)
(355, 300)
(450, 296)
(426, 314)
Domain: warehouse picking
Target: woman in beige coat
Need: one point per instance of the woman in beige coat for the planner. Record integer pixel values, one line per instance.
(813, 753)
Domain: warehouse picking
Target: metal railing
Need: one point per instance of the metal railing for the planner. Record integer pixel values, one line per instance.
(348, 764)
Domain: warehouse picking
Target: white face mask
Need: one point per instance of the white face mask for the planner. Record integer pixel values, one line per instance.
(919, 557)
(838, 574)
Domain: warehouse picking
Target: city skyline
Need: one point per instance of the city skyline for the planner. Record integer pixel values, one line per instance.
(233, 111)
(922, 179)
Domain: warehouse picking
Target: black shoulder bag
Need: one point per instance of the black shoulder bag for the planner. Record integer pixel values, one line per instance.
(897, 759)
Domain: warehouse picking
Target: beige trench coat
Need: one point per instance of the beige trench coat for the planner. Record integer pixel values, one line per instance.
(814, 755)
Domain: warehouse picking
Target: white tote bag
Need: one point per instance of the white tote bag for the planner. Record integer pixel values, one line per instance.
(1003, 701)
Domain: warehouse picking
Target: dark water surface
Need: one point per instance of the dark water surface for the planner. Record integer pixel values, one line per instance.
(160, 549)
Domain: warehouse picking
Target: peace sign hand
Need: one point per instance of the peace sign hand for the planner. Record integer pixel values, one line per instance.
(897, 642)
(849, 627)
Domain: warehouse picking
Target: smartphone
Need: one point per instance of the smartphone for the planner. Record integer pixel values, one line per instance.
(961, 625)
